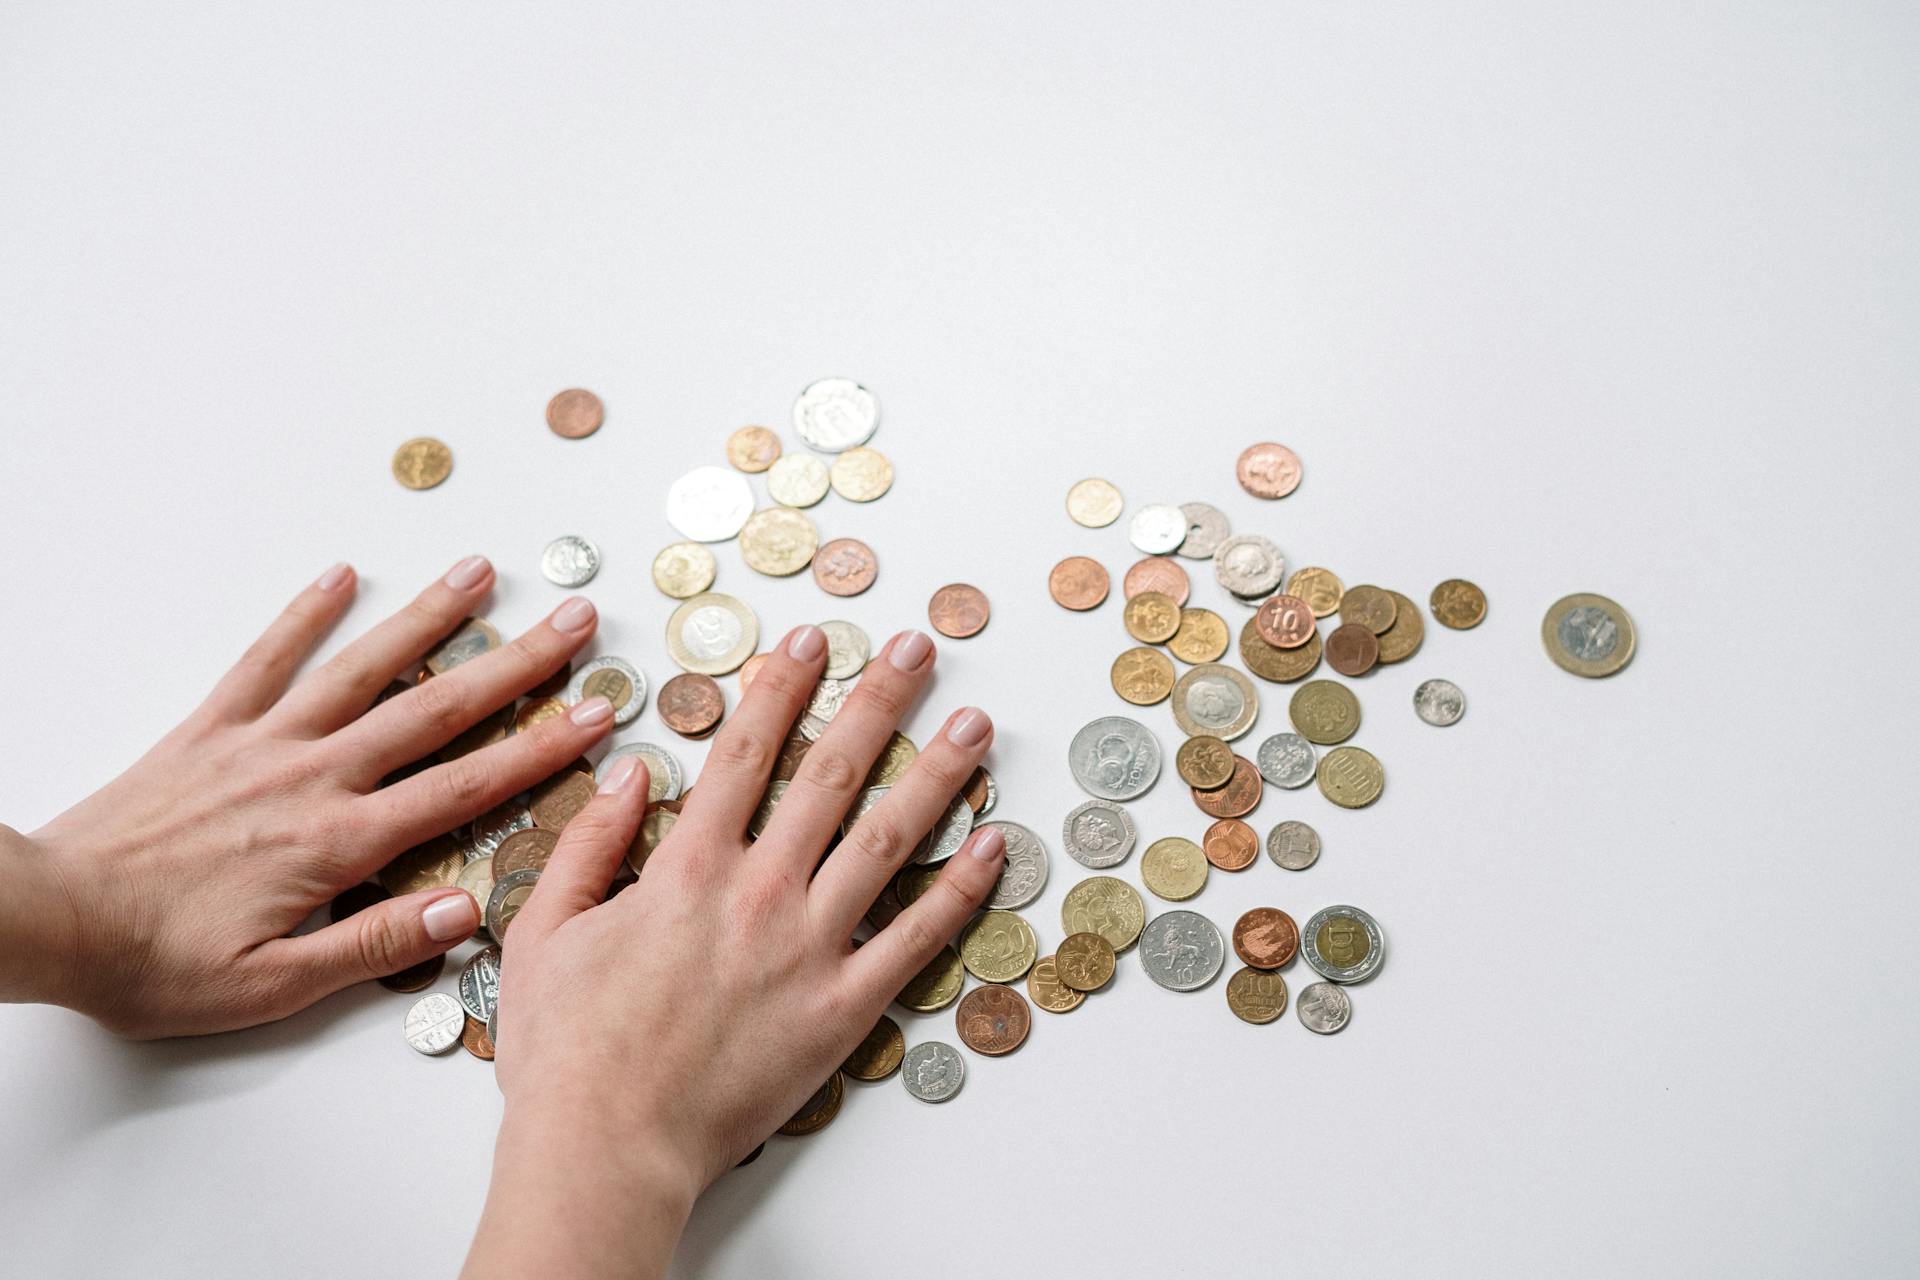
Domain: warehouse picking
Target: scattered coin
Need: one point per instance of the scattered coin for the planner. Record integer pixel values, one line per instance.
(848, 649)
(752, 449)
(1202, 636)
(712, 634)
(1324, 1008)
(998, 946)
(834, 414)
(434, 1023)
(422, 463)
(1024, 873)
(1352, 649)
(1319, 588)
(778, 541)
(475, 1040)
(1045, 989)
(993, 1020)
(1157, 528)
(845, 567)
(1174, 868)
(763, 812)
(1182, 950)
(683, 569)
(1098, 834)
(828, 697)
(1084, 962)
(570, 561)
(1114, 758)
(664, 778)
(818, 1111)
(1282, 666)
(1094, 503)
(1368, 607)
(932, 1071)
(1284, 621)
(878, 1055)
(1588, 635)
(1105, 905)
(898, 756)
(1142, 676)
(1402, 640)
(524, 851)
(798, 480)
(1268, 470)
(691, 704)
(958, 610)
(1293, 845)
(1237, 799)
(861, 474)
(1286, 760)
(936, 986)
(1204, 761)
(1207, 528)
(469, 640)
(1255, 996)
(1324, 712)
(1078, 583)
(1266, 938)
(1458, 603)
(1157, 573)
(616, 680)
(1343, 944)
(1439, 702)
(1217, 700)
(1151, 617)
(480, 983)
(709, 504)
(1249, 566)
(559, 799)
(1351, 777)
(575, 414)
(1230, 844)
(510, 893)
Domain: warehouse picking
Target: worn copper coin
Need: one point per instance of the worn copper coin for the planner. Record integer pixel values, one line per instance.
(1204, 762)
(1268, 470)
(559, 799)
(1230, 844)
(751, 668)
(1084, 962)
(475, 1040)
(818, 1111)
(958, 610)
(1256, 996)
(1238, 798)
(691, 704)
(993, 1019)
(1151, 617)
(575, 413)
(1352, 649)
(1279, 665)
(1157, 573)
(878, 1056)
(1078, 583)
(422, 463)
(1368, 606)
(1402, 640)
(1458, 603)
(1266, 938)
(845, 567)
(752, 449)
(1045, 989)
(524, 851)
(1142, 676)
(1285, 622)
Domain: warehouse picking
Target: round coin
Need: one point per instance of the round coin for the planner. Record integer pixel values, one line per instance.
(861, 474)
(434, 1023)
(1084, 962)
(1142, 676)
(1204, 761)
(1217, 700)
(709, 504)
(475, 1040)
(1369, 607)
(1281, 666)
(932, 1071)
(1439, 702)
(1402, 640)
(1324, 1008)
(1174, 868)
(752, 449)
(691, 704)
(998, 946)
(848, 649)
(958, 610)
(797, 480)
(570, 561)
(834, 414)
(510, 893)
(1078, 583)
(1207, 528)
(936, 986)
(496, 824)
(574, 414)
(845, 567)
(1293, 845)
(1284, 621)
(477, 879)
(1268, 470)
(684, 569)
(480, 983)
(1343, 944)
(949, 833)
(524, 851)
(1351, 777)
(664, 777)
(712, 634)
(978, 790)
(1114, 758)
(1352, 649)
(1105, 905)
(432, 864)
(1266, 938)
(1237, 799)
(1249, 566)
(469, 640)
(1202, 636)
(1157, 528)
(1256, 996)
(559, 800)
(1098, 834)
(1151, 617)
(416, 977)
(1458, 603)
(1156, 573)
(1045, 989)
(1588, 635)
(993, 1020)
(355, 899)
(1093, 503)
(1286, 760)
(778, 541)
(1319, 588)
(1230, 844)
(1324, 712)
(422, 463)
(1024, 873)
(818, 1111)
(616, 680)
(1182, 950)
(878, 1055)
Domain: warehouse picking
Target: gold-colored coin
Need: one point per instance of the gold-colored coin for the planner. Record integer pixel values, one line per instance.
(1282, 666)
(1084, 962)
(1202, 636)
(1142, 676)
(422, 463)
(861, 474)
(998, 946)
(911, 883)
(1151, 617)
(818, 1111)
(525, 850)
(762, 816)
(1588, 635)
(559, 800)
(878, 1056)
(1351, 777)
(1318, 587)
(778, 541)
(1369, 607)
(797, 480)
(435, 864)
(895, 759)
(1324, 712)
(655, 827)
(1107, 906)
(532, 713)
(684, 569)
(1458, 603)
(1174, 868)
(1204, 761)
(1045, 989)
(936, 986)
(1342, 941)
(1094, 503)
(752, 449)
(477, 879)
(1402, 640)
(1256, 996)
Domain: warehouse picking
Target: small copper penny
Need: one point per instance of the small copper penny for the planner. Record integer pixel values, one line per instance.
(977, 789)
(691, 704)
(1352, 649)
(1369, 606)
(1231, 844)
(993, 1019)
(751, 668)
(1204, 762)
(1285, 622)
(1266, 938)
(753, 449)
(575, 413)
(958, 610)
(1268, 470)
(1078, 583)
(1238, 798)
(845, 567)
(523, 851)
(1157, 573)
(475, 1040)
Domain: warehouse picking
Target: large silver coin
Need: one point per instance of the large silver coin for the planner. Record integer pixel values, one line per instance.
(570, 561)
(709, 504)
(848, 649)
(496, 824)
(1439, 702)
(480, 983)
(955, 825)
(664, 778)
(1324, 1008)
(623, 712)
(932, 1071)
(1343, 944)
(1098, 834)
(1182, 950)
(1114, 758)
(1216, 700)
(434, 1023)
(1024, 874)
(835, 414)
(1286, 760)
(1249, 566)
(712, 634)
(1293, 845)
(1207, 528)
(1157, 528)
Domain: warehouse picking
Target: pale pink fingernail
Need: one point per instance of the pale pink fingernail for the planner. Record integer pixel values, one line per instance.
(989, 846)
(806, 643)
(968, 727)
(468, 573)
(617, 776)
(573, 615)
(335, 577)
(910, 649)
(450, 918)
(592, 711)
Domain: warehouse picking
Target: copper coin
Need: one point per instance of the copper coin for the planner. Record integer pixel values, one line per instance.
(356, 899)
(1285, 622)
(818, 1111)
(1204, 762)
(878, 1056)
(1085, 962)
(1458, 603)
(977, 789)
(575, 413)
(1352, 649)
(1238, 798)
(475, 1040)
(752, 449)
(532, 713)
(1078, 583)
(415, 977)
(845, 567)
(1230, 844)
(1157, 573)
(559, 799)
(1266, 938)
(993, 1019)
(523, 851)
(751, 668)
(1369, 606)
(691, 704)
(958, 610)
(1268, 470)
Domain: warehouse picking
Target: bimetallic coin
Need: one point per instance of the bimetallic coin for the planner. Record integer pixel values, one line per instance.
(798, 480)
(958, 610)
(1207, 528)
(1216, 700)
(1284, 621)
(570, 561)
(1268, 470)
(878, 1055)
(1238, 798)
(1114, 758)
(469, 640)
(1182, 950)
(524, 851)
(422, 463)
(1045, 989)
(1369, 607)
(848, 649)
(993, 1020)
(1343, 944)
(1324, 1008)
(709, 504)
(1078, 583)
(1107, 906)
(1293, 845)
(616, 680)
(778, 542)
(1157, 573)
(1282, 666)
(1093, 503)
(936, 986)
(834, 414)
(1588, 635)
(1202, 636)
(434, 1023)
(1249, 566)
(1402, 640)
(1439, 702)
(1352, 649)
(1142, 676)
(998, 946)
(1151, 618)
(510, 893)
(1266, 938)
(712, 634)
(1256, 996)
(1157, 528)
(1024, 874)
(480, 983)
(932, 1071)
(1204, 761)
(1286, 760)
(1319, 588)
(1230, 845)
(818, 1111)
(1458, 603)
(1085, 962)
(752, 449)
(691, 704)
(845, 567)
(1098, 834)
(575, 413)
(1174, 868)
(1351, 777)
(433, 864)
(664, 778)
(684, 569)
(1324, 712)
(861, 474)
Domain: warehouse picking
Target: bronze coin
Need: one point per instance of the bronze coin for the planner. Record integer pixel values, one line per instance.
(691, 704)
(475, 1040)
(1268, 470)
(1458, 603)
(978, 786)
(1352, 649)
(1204, 762)
(1281, 666)
(1238, 798)
(751, 668)
(753, 449)
(1231, 844)
(878, 1055)
(559, 799)
(1085, 962)
(355, 899)
(1157, 573)
(432, 864)
(845, 567)
(415, 977)
(575, 413)
(1266, 938)
(958, 610)
(1285, 622)
(1257, 996)
(1369, 606)
(818, 1111)
(993, 1019)
(1402, 640)
(1078, 583)
(522, 851)
(532, 713)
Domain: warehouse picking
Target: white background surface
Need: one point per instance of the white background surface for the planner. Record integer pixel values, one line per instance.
(1613, 298)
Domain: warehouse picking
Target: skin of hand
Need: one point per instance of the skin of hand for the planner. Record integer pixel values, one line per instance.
(650, 1040)
(162, 904)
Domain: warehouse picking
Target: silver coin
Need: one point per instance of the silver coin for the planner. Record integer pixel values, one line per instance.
(493, 1026)
(434, 1023)
(1182, 950)
(475, 637)
(664, 778)
(1207, 528)
(1249, 566)
(932, 1071)
(955, 825)
(570, 561)
(623, 712)
(1215, 699)
(863, 805)
(848, 649)
(1324, 1008)
(1157, 528)
(828, 697)
(1024, 874)
(1286, 760)
(1114, 758)
(993, 798)
(835, 414)
(480, 983)
(1098, 834)
(1293, 845)
(798, 480)
(505, 893)
(1346, 926)
(496, 824)
(1439, 702)
(709, 504)
(763, 815)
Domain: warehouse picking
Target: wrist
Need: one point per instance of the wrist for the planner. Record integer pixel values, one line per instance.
(40, 924)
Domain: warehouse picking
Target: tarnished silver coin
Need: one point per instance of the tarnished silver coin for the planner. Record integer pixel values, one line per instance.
(769, 801)
(1343, 944)
(828, 697)
(434, 1023)
(709, 504)
(848, 649)
(1293, 845)
(587, 683)
(1024, 874)
(798, 480)
(1439, 702)
(1214, 700)
(1114, 758)
(955, 825)
(932, 1071)
(486, 832)
(570, 561)
(510, 893)
(1098, 834)
(1157, 528)
(1207, 528)
(1324, 1008)
(835, 414)
(1182, 950)
(480, 983)
(1249, 566)
(1286, 760)
(664, 778)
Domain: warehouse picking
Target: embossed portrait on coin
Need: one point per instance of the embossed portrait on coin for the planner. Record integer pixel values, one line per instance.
(1096, 832)
(712, 632)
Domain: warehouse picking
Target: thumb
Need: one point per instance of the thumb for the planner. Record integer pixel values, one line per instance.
(382, 939)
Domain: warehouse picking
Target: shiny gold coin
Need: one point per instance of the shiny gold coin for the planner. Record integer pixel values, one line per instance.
(1256, 996)
(1458, 603)
(1342, 941)
(860, 474)
(1202, 636)
(1174, 868)
(936, 986)
(1094, 503)
(778, 541)
(1204, 761)
(818, 1111)
(1282, 666)
(532, 713)
(1045, 989)
(436, 864)
(684, 569)
(1351, 777)
(895, 759)
(1142, 676)
(1151, 618)
(1369, 607)
(477, 879)
(752, 449)
(998, 946)
(1318, 587)
(1084, 962)
(878, 1056)
(1402, 640)
(1105, 905)
(1324, 712)
(422, 463)
(1588, 635)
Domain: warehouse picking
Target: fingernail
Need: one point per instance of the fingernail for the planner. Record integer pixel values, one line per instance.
(910, 649)
(968, 727)
(335, 577)
(617, 776)
(806, 643)
(467, 573)
(573, 615)
(990, 846)
(450, 918)
(592, 711)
